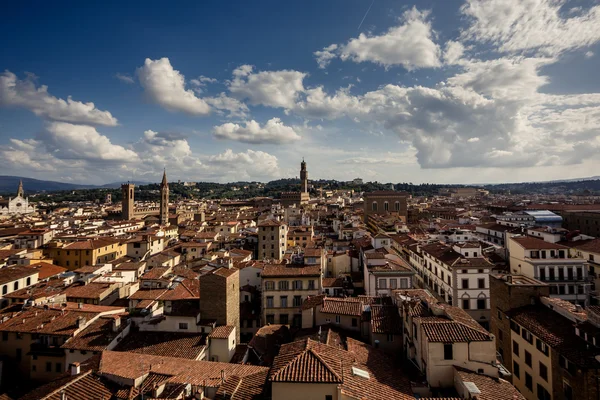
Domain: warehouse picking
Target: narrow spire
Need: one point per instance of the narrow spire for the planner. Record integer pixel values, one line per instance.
(164, 179)
(20, 191)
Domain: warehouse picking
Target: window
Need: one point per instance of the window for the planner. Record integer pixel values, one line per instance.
(465, 283)
(16, 286)
(283, 301)
(515, 327)
(374, 206)
(481, 304)
(311, 285)
(516, 348)
(481, 283)
(397, 206)
(48, 367)
(283, 319)
(499, 315)
(269, 301)
(516, 370)
(328, 397)
(269, 285)
(393, 283)
(542, 393)
(465, 304)
(337, 319)
(568, 391)
(270, 319)
(297, 285)
(500, 335)
(528, 358)
(382, 283)
(386, 206)
(448, 351)
(544, 372)
(528, 381)
(541, 346)
(297, 301)
(4, 289)
(28, 281)
(183, 325)
(527, 336)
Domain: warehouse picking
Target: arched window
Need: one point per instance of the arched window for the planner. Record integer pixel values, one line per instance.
(28, 281)
(397, 206)
(4, 289)
(374, 206)
(16, 286)
(386, 206)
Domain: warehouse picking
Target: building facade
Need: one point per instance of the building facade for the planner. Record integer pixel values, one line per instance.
(385, 202)
(272, 239)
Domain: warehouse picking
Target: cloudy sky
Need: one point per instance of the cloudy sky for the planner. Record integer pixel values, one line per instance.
(429, 91)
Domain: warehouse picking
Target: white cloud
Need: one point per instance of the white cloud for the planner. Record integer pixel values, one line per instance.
(410, 44)
(202, 81)
(125, 78)
(589, 54)
(531, 25)
(503, 77)
(82, 142)
(25, 94)
(269, 88)
(166, 86)
(250, 164)
(273, 132)
(234, 107)
(325, 56)
(453, 52)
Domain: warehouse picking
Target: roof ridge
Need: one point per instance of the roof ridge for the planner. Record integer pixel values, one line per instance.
(325, 362)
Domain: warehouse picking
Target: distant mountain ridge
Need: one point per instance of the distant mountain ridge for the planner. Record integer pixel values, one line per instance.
(9, 184)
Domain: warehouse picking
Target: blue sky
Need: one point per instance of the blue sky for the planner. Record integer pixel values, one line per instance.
(430, 91)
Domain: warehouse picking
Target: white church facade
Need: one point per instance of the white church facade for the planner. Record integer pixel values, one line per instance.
(16, 205)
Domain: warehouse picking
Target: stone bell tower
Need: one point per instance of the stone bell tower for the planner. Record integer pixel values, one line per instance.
(164, 200)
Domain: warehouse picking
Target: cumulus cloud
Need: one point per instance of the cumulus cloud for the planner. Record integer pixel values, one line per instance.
(410, 44)
(531, 25)
(268, 88)
(24, 94)
(325, 56)
(249, 164)
(273, 132)
(166, 86)
(82, 142)
(233, 106)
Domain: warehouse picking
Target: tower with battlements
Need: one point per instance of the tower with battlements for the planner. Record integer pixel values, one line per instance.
(304, 177)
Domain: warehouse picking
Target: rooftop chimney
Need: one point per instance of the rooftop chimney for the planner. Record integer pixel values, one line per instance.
(75, 368)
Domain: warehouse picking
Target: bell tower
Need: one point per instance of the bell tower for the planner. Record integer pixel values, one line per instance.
(164, 200)
(304, 177)
(127, 202)
(20, 191)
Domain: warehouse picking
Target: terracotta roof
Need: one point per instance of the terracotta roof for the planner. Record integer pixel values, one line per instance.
(385, 319)
(85, 386)
(592, 246)
(97, 336)
(91, 244)
(14, 272)
(446, 331)
(221, 332)
(528, 242)
(558, 332)
(47, 270)
(131, 366)
(333, 282)
(280, 270)
(312, 301)
(269, 222)
(490, 388)
(342, 306)
(171, 344)
(93, 290)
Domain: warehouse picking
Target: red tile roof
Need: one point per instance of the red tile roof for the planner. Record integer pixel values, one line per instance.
(221, 332)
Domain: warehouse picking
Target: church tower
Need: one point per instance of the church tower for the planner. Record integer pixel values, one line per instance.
(164, 200)
(127, 202)
(304, 177)
(20, 192)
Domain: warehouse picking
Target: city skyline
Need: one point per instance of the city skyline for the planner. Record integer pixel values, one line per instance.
(446, 92)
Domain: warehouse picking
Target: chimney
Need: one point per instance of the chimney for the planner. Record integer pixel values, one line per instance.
(116, 324)
(63, 395)
(80, 322)
(80, 305)
(75, 368)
